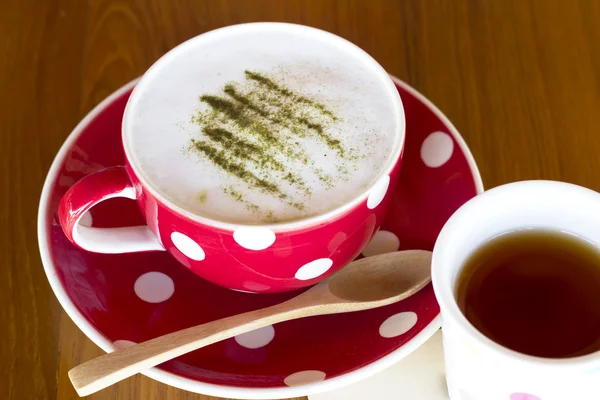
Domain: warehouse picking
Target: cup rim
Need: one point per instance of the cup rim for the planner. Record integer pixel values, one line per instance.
(445, 294)
(305, 222)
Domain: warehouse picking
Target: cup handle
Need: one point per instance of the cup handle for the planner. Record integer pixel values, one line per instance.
(91, 190)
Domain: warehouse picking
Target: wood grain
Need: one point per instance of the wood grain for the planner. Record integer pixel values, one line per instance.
(39, 103)
(519, 79)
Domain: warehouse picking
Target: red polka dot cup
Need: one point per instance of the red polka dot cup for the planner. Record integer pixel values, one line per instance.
(478, 368)
(261, 257)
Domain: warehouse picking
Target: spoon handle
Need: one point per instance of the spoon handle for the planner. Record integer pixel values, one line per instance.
(111, 368)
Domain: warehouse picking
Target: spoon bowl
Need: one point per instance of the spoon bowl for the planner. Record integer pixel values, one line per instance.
(381, 280)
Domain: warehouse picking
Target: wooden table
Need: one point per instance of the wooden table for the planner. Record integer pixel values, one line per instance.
(519, 78)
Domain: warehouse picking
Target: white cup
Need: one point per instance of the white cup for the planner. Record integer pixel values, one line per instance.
(476, 367)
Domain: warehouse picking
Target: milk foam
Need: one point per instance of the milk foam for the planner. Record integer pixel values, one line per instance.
(334, 133)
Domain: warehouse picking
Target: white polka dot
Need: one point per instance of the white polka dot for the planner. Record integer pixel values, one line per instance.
(254, 238)
(378, 192)
(179, 256)
(242, 355)
(398, 324)
(187, 246)
(154, 287)
(314, 269)
(123, 344)
(86, 219)
(382, 242)
(257, 338)
(437, 149)
(304, 377)
(336, 241)
(255, 287)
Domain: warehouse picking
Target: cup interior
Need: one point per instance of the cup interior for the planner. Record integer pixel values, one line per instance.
(185, 56)
(544, 205)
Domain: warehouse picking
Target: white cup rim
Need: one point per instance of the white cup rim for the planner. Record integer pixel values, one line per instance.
(378, 71)
(445, 292)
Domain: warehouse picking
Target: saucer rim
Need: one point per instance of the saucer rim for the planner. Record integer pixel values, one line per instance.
(191, 385)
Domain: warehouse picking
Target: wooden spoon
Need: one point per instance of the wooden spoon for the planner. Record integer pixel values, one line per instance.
(364, 284)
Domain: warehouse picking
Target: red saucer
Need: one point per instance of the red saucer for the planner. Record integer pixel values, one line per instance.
(118, 299)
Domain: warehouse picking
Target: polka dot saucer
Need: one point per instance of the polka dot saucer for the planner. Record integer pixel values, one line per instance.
(117, 300)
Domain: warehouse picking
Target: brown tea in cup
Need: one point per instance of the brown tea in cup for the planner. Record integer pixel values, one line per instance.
(534, 291)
